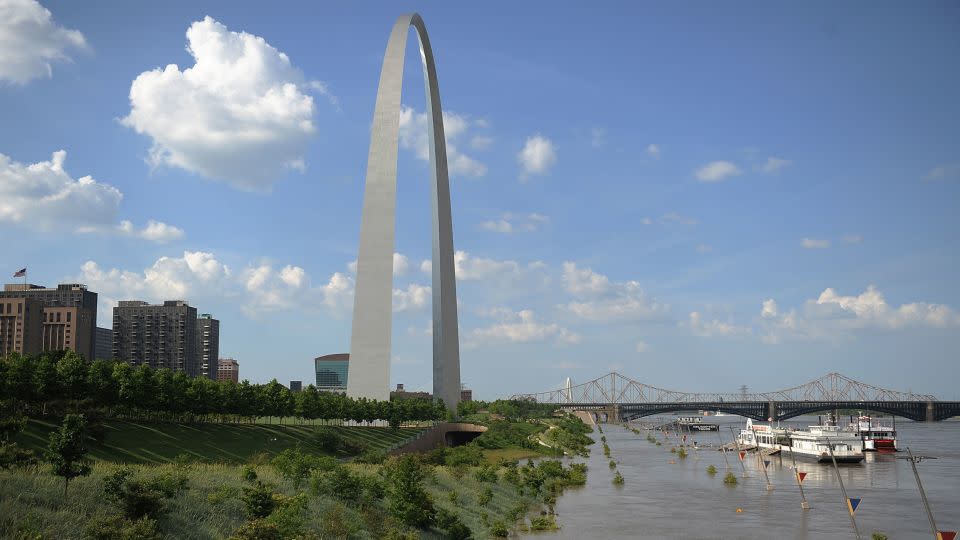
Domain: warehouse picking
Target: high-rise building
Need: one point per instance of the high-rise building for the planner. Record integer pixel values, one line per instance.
(332, 372)
(67, 301)
(21, 325)
(296, 386)
(228, 370)
(162, 336)
(103, 344)
(208, 345)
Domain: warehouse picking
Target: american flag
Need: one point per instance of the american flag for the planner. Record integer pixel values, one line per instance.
(21, 272)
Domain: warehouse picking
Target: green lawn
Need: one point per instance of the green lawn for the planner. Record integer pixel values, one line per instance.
(143, 442)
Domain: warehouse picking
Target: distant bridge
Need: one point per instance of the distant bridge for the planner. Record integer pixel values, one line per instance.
(625, 399)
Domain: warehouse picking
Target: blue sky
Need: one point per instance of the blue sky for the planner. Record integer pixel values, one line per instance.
(699, 196)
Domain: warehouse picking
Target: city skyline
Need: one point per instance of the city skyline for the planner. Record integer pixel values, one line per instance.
(755, 199)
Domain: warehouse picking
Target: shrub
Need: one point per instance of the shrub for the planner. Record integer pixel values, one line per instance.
(485, 496)
(467, 454)
(682, 453)
(486, 473)
(296, 465)
(453, 497)
(618, 479)
(339, 483)
(258, 529)
(878, 536)
(258, 500)
(407, 501)
(450, 522)
(499, 530)
(287, 515)
(120, 528)
(711, 470)
(730, 479)
(249, 473)
(139, 498)
(613, 464)
(543, 523)
(372, 457)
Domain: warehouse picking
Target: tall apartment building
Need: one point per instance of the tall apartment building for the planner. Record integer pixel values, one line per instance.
(331, 372)
(228, 370)
(69, 315)
(208, 345)
(162, 336)
(21, 326)
(103, 344)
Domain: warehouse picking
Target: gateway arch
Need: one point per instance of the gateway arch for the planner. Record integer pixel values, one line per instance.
(369, 367)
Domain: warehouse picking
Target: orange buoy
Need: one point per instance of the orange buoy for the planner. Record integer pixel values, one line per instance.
(739, 510)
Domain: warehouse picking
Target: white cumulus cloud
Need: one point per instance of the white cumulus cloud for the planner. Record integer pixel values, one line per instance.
(653, 150)
(814, 243)
(30, 41)
(241, 114)
(47, 197)
(154, 231)
(537, 156)
(456, 127)
(714, 327)
(523, 327)
(774, 164)
(716, 171)
(510, 223)
(601, 299)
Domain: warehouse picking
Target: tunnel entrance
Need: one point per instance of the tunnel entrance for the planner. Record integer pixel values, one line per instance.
(459, 438)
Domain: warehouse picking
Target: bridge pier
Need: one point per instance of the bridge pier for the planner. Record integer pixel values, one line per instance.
(930, 416)
(772, 411)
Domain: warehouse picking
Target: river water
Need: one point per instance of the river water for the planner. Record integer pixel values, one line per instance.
(680, 500)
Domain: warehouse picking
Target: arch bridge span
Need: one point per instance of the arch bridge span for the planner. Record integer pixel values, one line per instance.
(617, 396)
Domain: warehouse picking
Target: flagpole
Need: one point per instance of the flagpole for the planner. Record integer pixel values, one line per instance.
(737, 442)
(796, 473)
(843, 491)
(923, 495)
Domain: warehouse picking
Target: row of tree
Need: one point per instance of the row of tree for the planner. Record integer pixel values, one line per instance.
(141, 392)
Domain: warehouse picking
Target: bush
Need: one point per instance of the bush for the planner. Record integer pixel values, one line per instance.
(258, 500)
(257, 529)
(618, 479)
(499, 530)
(339, 483)
(711, 470)
(613, 464)
(485, 496)
(450, 522)
(486, 473)
(372, 457)
(468, 454)
(287, 515)
(249, 473)
(138, 498)
(407, 501)
(296, 465)
(120, 528)
(730, 479)
(543, 523)
(682, 453)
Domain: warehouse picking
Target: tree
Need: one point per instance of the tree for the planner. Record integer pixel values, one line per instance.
(407, 500)
(67, 450)
(72, 372)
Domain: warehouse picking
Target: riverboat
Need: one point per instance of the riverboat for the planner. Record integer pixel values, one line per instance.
(813, 443)
(875, 435)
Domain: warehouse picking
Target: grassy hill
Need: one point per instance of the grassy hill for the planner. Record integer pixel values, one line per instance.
(143, 442)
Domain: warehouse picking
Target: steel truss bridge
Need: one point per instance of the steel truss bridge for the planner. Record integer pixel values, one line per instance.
(616, 396)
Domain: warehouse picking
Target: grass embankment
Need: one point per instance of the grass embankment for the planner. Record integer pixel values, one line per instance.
(142, 442)
(211, 503)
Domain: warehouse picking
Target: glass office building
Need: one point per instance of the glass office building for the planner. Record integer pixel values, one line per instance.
(332, 372)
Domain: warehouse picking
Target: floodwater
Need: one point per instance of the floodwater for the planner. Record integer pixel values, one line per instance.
(680, 500)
